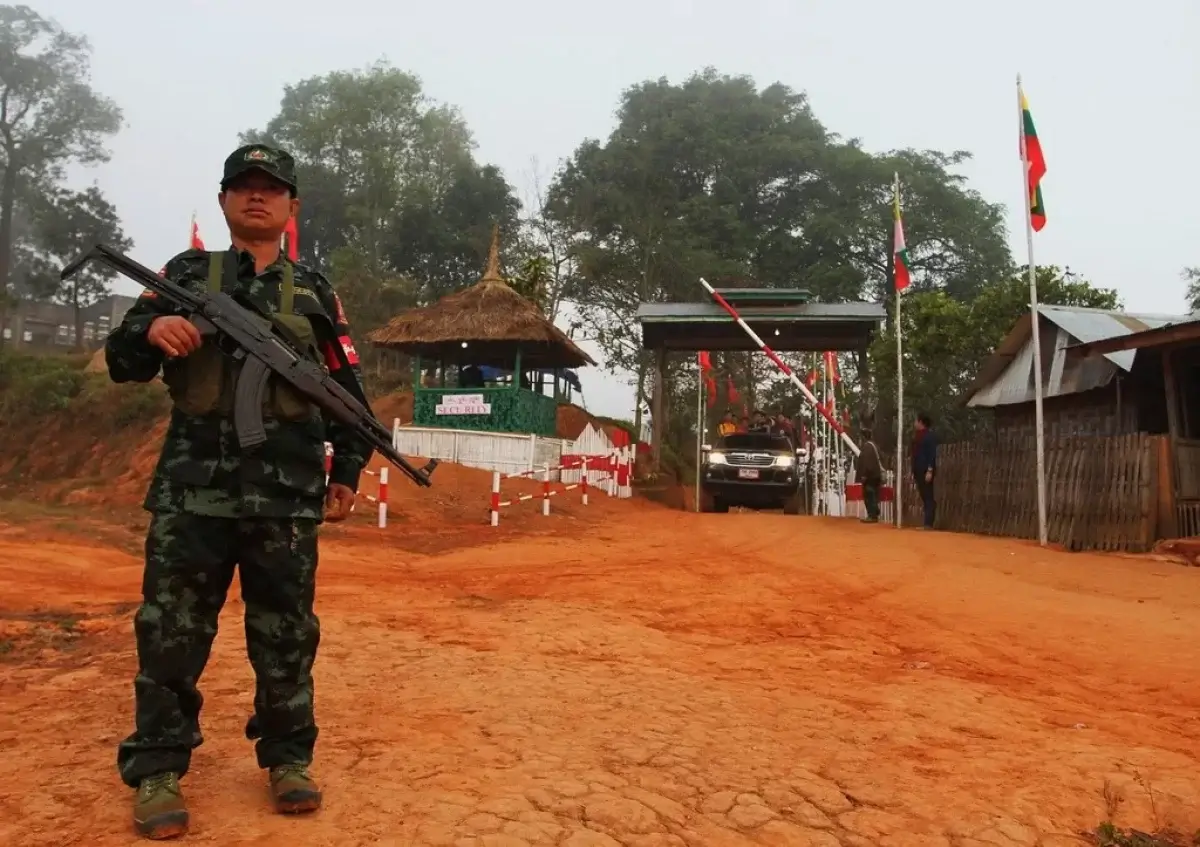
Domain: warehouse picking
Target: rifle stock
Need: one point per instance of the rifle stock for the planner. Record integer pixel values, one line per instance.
(263, 353)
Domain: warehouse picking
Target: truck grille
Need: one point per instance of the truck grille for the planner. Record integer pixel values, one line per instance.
(752, 460)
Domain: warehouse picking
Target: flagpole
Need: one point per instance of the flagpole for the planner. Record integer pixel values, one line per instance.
(699, 425)
(897, 479)
(825, 429)
(1039, 419)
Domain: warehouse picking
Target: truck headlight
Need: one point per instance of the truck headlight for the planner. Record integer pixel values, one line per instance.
(716, 458)
(784, 461)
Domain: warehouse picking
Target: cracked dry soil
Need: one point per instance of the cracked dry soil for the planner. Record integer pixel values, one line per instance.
(670, 679)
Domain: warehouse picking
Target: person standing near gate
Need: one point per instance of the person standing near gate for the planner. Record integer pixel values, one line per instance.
(870, 473)
(215, 507)
(924, 465)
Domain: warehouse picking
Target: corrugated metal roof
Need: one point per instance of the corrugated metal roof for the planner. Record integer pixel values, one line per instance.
(1095, 324)
(1007, 376)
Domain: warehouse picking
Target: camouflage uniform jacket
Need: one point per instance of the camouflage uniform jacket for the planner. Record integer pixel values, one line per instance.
(201, 469)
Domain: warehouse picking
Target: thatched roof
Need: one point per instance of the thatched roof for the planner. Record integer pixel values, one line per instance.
(490, 319)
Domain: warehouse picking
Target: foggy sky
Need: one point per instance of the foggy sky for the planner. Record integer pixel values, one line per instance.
(1114, 89)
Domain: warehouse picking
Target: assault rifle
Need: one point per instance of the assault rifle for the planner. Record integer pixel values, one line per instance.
(264, 348)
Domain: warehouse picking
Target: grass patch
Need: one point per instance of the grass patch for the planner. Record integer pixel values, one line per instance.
(1109, 834)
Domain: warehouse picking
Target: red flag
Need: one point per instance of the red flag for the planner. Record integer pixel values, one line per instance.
(291, 240)
(197, 243)
(831, 367)
(710, 382)
(731, 391)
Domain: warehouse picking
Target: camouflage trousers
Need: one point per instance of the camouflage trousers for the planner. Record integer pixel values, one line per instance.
(190, 562)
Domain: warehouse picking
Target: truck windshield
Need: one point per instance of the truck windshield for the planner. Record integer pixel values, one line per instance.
(756, 441)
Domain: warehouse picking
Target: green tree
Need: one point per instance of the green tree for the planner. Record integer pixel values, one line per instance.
(442, 236)
(533, 278)
(946, 341)
(371, 298)
(542, 235)
(1191, 276)
(49, 116)
(717, 178)
(65, 224)
(390, 175)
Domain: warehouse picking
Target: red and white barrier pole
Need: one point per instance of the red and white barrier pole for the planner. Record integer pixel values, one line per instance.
(383, 497)
(583, 481)
(779, 363)
(546, 490)
(495, 498)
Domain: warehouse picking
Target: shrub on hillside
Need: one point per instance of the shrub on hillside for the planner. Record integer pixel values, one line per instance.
(32, 386)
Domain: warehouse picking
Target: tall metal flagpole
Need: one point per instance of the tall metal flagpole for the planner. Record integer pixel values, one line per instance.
(699, 425)
(897, 473)
(1035, 323)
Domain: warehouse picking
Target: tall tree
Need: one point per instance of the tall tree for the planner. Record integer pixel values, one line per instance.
(1191, 276)
(49, 115)
(64, 224)
(389, 174)
(717, 178)
(440, 235)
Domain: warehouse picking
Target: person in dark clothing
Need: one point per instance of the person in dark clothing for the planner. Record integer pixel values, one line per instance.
(870, 472)
(471, 376)
(783, 426)
(924, 464)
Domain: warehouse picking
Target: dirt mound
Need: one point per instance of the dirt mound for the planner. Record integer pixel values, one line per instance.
(100, 452)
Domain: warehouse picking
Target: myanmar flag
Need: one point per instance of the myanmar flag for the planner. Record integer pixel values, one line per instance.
(903, 277)
(1032, 149)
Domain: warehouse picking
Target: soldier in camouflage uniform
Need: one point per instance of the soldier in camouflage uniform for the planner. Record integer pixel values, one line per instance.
(214, 508)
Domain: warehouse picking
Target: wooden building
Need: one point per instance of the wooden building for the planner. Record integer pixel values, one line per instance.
(1169, 357)
(1114, 393)
(1122, 437)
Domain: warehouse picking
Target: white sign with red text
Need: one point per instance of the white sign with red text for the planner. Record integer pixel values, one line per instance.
(463, 404)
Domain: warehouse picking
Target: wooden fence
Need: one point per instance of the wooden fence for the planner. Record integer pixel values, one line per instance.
(1101, 491)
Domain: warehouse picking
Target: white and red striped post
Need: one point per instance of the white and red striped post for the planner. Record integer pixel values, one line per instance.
(328, 461)
(383, 497)
(546, 490)
(779, 363)
(583, 480)
(495, 498)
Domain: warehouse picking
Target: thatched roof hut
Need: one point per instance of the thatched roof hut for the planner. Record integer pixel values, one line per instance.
(486, 324)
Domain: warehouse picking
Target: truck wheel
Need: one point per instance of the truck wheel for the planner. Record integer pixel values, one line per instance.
(707, 503)
(793, 505)
(720, 506)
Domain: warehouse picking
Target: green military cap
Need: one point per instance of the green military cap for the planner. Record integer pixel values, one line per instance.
(272, 161)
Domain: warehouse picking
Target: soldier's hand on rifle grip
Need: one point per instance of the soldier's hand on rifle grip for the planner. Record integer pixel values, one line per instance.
(174, 335)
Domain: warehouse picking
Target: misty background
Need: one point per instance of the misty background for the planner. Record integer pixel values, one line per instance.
(1115, 91)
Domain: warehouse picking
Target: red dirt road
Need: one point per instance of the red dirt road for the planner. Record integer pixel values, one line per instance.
(673, 679)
